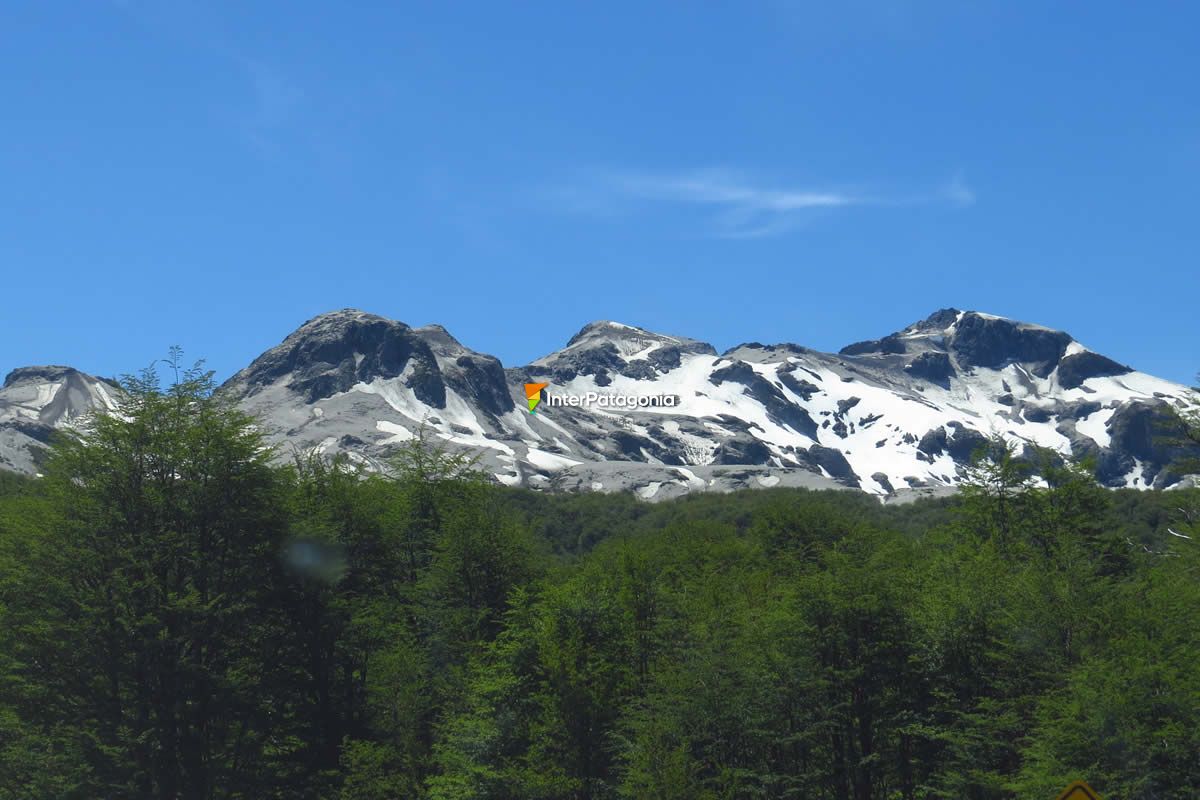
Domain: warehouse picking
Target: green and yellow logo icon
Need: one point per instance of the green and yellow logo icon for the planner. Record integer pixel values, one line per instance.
(534, 393)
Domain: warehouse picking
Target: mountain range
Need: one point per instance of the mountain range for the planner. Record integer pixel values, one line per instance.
(898, 416)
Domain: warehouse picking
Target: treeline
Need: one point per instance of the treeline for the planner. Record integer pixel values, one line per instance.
(180, 617)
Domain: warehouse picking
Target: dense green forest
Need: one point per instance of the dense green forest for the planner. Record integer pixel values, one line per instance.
(181, 617)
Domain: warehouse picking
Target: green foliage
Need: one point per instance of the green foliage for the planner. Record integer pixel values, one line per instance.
(181, 617)
(14, 484)
(1180, 430)
(1130, 710)
(136, 622)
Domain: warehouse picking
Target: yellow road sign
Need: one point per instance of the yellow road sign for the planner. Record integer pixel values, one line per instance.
(1079, 791)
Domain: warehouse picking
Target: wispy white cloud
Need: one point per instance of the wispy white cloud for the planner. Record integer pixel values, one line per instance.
(727, 188)
(958, 192)
(739, 207)
(736, 205)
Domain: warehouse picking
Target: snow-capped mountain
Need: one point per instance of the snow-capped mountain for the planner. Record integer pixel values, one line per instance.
(892, 416)
(34, 401)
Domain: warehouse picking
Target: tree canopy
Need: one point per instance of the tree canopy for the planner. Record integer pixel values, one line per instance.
(183, 614)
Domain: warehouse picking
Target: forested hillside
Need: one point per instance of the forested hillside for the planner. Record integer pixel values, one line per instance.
(182, 618)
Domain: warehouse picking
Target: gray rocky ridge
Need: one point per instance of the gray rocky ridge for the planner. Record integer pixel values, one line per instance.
(37, 401)
(897, 416)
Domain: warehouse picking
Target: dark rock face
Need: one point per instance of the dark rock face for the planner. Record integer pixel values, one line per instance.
(42, 374)
(333, 352)
(932, 366)
(1112, 466)
(481, 379)
(845, 405)
(1148, 432)
(425, 381)
(1079, 410)
(937, 321)
(639, 370)
(38, 431)
(799, 386)
(1075, 369)
(985, 342)
(478, 378)
(833, 462)
(738, 372)
(778, 406)
(889, 345)
(665, 359)
(598, 360)
(933, 442)
(1136, 426)
(630, 446)
(1036, 413)
(965, 444)
(742, 450)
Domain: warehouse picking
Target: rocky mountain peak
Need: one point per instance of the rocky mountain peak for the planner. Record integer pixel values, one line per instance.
(976, 339)
(605, 328)
(630, 341)
(984, 340)
(333, 352)
(345, 323)
(939, 320)
(439, 338)
(627, 338)
(36, 400)
(950, 339)
(604, 348)
(49, 373)
(336, 352)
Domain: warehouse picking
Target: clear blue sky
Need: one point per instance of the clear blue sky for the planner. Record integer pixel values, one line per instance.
(213, 174)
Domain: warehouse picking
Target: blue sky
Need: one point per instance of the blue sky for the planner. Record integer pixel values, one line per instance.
(213, 174)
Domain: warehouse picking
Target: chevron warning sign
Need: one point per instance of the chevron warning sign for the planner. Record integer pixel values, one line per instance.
(1079, 791)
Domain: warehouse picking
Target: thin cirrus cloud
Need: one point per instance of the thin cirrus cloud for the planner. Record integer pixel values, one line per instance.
(735, 205)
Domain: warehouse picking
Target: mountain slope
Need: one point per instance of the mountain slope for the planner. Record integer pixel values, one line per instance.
(905, 411)
(890, 416)
(34, 401)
